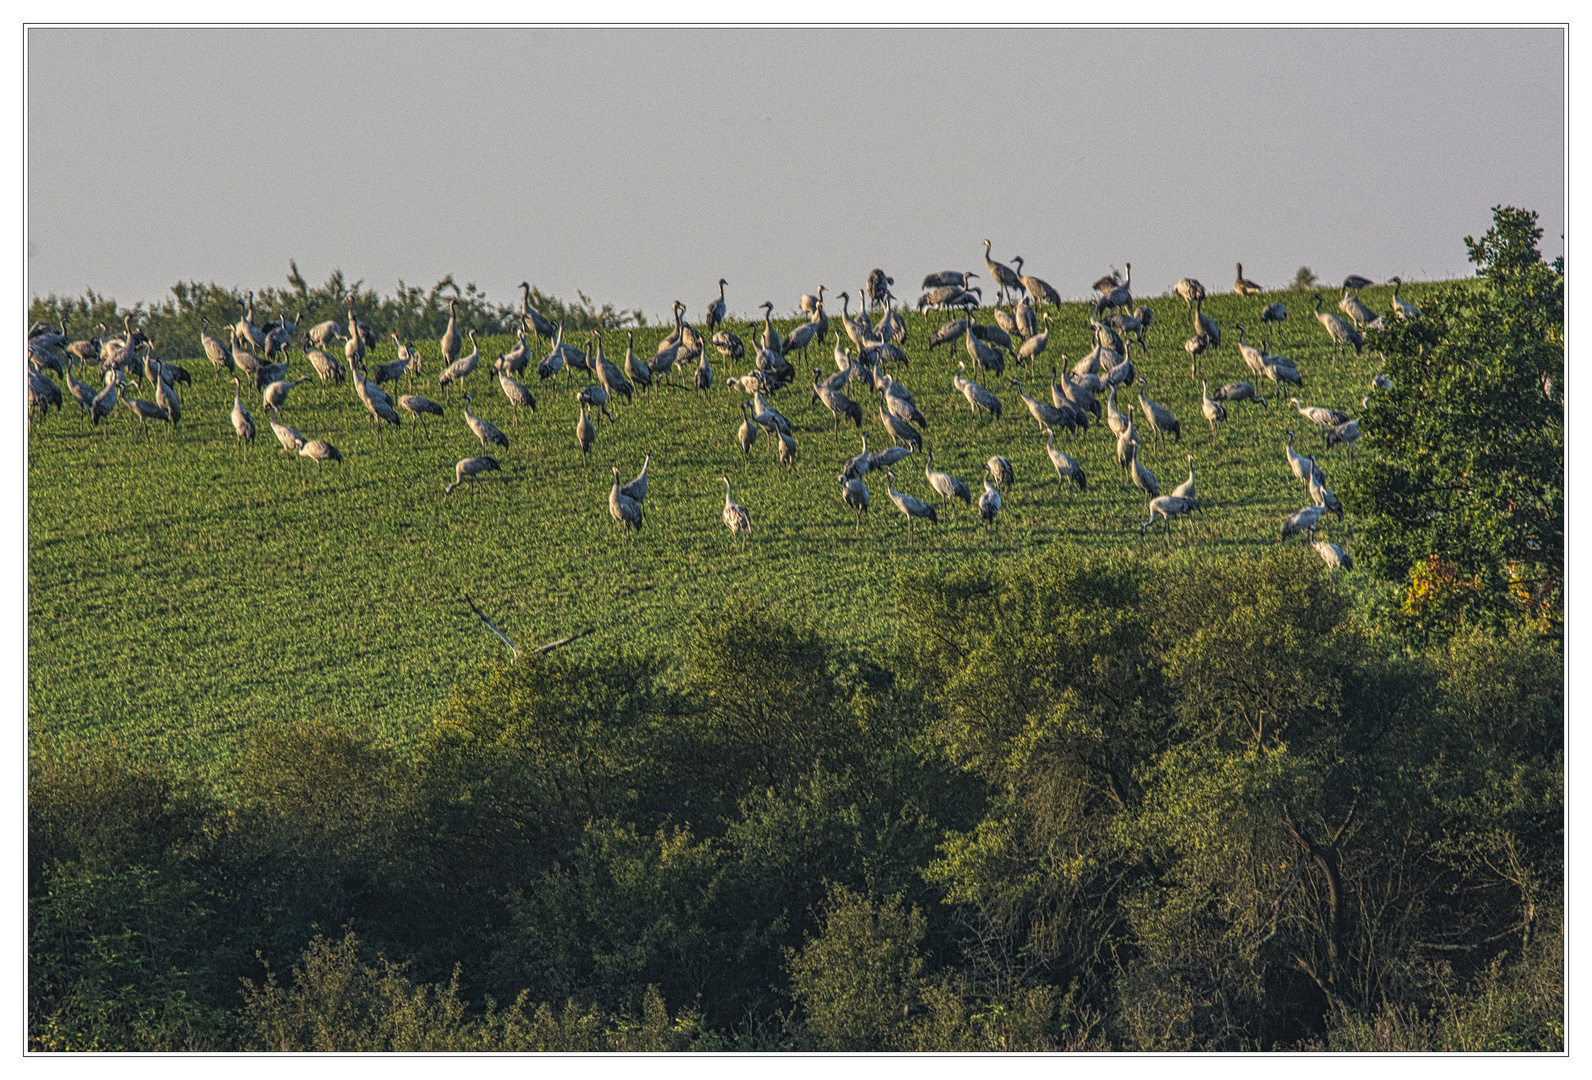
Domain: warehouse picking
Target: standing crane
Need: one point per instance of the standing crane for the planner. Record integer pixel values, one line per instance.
(326, 367)
(1040, 290)
(1211, 409)
(218, 352)
(242, 421)
(450, 337)
(460, 369)
(854, 493)
(946, 485)
(516, 392)
(105, 403)
(1168, 506)
(1143, 478)
(354, 347)
(622, 508)
(484, 430)
(1067, 468)
(638, 373)
(532, 318)
(1161, 421)
(318, 451)
(1000, 470)
(977, 397)
(737, 518)
(837, 403)
(585, 433)
(1402, 308)
(746, 437)
(1339, 331)
(417, 407)
(716, 309)
(1035, 343)
(1334, 556)
(858, 467)
(911, 507)
(989, 503)
(1357, 312)
(1185, 490)
(1004, 276)
(637, 488)
(1319, 415)
(1301, 521)
(1045, 415)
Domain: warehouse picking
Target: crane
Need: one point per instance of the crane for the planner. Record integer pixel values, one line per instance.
(854, 493)
(1002, 274)
(737, 518)
(1161, 421)
(1210, 408)
(1067, 468)
(622, 508)
(1040, 290)
(1339, 331)
(989, 503)
(460, 369)
(585, 433)
(468, 469)
(977, 397)
(911, 507)
(1402, 308)
(1168, 506)
(417, 407)
(946, 485)
(716, 309)
(450, 337)
(746, 437)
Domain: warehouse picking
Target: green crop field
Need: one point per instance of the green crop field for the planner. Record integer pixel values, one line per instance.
(180, 592)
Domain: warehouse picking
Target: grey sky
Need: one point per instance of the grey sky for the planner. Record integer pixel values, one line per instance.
(640, 166)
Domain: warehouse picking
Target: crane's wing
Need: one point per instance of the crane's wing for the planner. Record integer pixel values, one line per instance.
(515, 649)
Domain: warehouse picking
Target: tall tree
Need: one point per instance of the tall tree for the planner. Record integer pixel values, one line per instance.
(1461, 473)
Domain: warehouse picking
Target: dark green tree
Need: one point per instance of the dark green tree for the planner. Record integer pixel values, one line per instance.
(1460, 478)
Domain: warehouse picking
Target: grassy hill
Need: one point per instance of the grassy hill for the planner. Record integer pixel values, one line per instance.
(181, 592)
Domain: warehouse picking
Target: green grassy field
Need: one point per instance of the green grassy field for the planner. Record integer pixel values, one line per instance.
(180, 593)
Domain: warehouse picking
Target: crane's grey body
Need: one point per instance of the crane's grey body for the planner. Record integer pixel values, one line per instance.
(944, 484)
(854, 493)
(622, 507)
(989, 504)
(737, 518)
(484, 430)
(911, 507)
(978, 398)
(1067, 467)
(1161, 420)
(468, 469)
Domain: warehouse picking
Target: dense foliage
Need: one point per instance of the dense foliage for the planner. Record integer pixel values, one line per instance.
(1461, 475)
(1092, 803)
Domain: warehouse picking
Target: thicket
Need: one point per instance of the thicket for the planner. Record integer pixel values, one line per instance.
(1095, 803)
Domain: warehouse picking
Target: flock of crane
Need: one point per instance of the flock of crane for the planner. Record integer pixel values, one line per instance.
(1085, 393)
